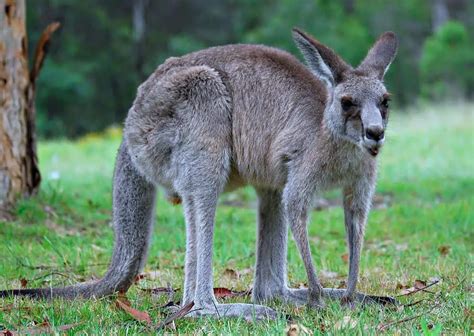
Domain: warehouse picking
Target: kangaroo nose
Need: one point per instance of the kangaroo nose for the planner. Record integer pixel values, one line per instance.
(374, 132)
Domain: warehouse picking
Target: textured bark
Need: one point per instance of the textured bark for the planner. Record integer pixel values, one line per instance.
(19, 175)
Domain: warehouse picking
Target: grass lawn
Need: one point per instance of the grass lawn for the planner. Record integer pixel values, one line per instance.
(423, 230)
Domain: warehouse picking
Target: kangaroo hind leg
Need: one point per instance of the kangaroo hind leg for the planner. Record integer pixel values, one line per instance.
(203, 165)
(199, 271)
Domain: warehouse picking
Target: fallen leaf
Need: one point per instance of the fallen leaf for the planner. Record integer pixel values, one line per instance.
(345, 258)
(420, 284)
(141, 316)
(408, 290)
(292, 330)
(122, 295)
(221, 292)
(152, 275)
(347, 322)
(401, 286)
(231, 273)
(444, 250)
(176, 315)
(23, 282)
(295, 329)
(139, 277)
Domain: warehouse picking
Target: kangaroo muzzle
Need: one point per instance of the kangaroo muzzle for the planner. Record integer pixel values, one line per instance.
(374, 131)
(374, 138)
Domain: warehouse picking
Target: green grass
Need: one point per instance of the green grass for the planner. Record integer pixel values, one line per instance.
(426, 171)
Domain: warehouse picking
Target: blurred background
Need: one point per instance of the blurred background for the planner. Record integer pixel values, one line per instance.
(421, 225)
(106, 48)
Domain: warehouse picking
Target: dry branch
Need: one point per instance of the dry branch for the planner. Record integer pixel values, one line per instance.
(42, 50)
(416, 290)
(40, 54)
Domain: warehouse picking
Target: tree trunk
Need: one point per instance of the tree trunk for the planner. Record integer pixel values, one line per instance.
(139, 30)
(19, 174)
(440, 14)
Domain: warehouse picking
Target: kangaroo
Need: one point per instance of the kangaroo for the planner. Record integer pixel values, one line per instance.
(224, 117)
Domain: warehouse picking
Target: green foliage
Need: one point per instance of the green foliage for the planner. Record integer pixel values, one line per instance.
(447, 63)
(183, 44)
(62, 85)
(95, 65)
(63, 236)
(343, 35)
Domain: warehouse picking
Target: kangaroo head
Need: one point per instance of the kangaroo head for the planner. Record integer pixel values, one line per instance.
(357, 104)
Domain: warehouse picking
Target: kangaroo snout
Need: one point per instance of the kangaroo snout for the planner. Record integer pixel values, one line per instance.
(374, 136)
(374, 132)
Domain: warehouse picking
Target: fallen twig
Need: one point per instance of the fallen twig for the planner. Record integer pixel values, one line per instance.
(416, 290)
(383, 327)
(413, 303)
(160, 290)
(176, 315)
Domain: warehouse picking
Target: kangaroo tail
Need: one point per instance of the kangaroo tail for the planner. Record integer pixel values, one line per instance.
(133, 214)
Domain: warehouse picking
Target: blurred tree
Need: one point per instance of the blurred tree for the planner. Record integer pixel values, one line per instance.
(139, 29)
(447, 63)
(19, 174)
(106, 48)
(440, 14)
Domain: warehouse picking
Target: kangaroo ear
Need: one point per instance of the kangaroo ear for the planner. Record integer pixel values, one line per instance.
(380, 56)
(321, 60)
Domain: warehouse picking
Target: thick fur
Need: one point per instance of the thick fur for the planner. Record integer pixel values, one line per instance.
(224, 117)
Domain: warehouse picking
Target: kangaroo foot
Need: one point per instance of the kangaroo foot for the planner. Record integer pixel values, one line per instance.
(299, 297)
(248, 312)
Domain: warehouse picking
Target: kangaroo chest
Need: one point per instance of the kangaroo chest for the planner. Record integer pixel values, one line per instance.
(342, 168)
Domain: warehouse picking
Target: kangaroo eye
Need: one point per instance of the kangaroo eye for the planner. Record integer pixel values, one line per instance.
(347, 103)
(385, 101)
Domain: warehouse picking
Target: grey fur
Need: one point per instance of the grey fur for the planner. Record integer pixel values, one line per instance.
(223, 117)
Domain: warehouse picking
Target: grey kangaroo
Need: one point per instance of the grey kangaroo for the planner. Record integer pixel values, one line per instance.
(221, 118)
